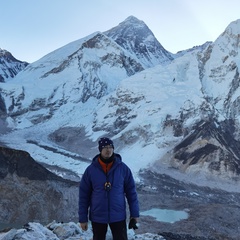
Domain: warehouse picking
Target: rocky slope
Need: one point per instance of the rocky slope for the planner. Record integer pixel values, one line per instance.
(208, 155)
(30, 192)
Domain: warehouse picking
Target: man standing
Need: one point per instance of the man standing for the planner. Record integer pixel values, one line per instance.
(105, 185)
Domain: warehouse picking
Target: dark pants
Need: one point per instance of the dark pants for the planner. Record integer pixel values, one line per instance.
(118, 229)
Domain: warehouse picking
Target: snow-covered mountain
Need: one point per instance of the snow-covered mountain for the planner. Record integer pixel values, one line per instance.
(173, 118)
(193, 49)
(9, 66)
(105, 84)
(135, 36)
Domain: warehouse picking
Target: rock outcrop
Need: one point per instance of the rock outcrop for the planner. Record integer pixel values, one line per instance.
(29, 192)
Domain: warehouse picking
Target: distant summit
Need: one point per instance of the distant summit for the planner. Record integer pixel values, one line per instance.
(134, 35)
(9, 66)
(132, 20)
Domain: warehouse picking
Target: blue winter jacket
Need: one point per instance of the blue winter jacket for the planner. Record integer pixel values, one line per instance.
(107, 206)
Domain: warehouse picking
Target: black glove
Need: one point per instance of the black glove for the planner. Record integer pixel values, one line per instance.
(133, 224)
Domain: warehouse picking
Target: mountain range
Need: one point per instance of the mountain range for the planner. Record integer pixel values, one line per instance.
(179, 112)
(174, 118)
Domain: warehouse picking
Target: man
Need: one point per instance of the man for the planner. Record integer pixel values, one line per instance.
(105, 184)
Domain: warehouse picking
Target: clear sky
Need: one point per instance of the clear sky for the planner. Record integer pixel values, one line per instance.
(32, 28)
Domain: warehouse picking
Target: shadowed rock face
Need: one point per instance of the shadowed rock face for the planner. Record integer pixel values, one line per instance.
(29, 192)
(22, 164)
(210, 144)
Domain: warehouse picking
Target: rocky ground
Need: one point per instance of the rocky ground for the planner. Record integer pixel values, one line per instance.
(213, 214)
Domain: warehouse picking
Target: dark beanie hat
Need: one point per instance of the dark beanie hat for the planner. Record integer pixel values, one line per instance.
(103, 142)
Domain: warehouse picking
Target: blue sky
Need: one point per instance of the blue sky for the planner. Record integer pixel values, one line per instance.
(32, 28)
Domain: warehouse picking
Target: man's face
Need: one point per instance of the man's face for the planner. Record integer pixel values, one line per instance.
(107, 152)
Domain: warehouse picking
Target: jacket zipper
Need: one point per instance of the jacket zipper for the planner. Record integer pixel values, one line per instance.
(108, 194)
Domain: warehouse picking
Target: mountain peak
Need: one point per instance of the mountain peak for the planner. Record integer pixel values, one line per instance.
(234, 26)
(9, 65)
(134, 36)
(131, 20)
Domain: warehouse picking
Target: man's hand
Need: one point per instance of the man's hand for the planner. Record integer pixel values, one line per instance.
(133, 224)
(84, 226)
